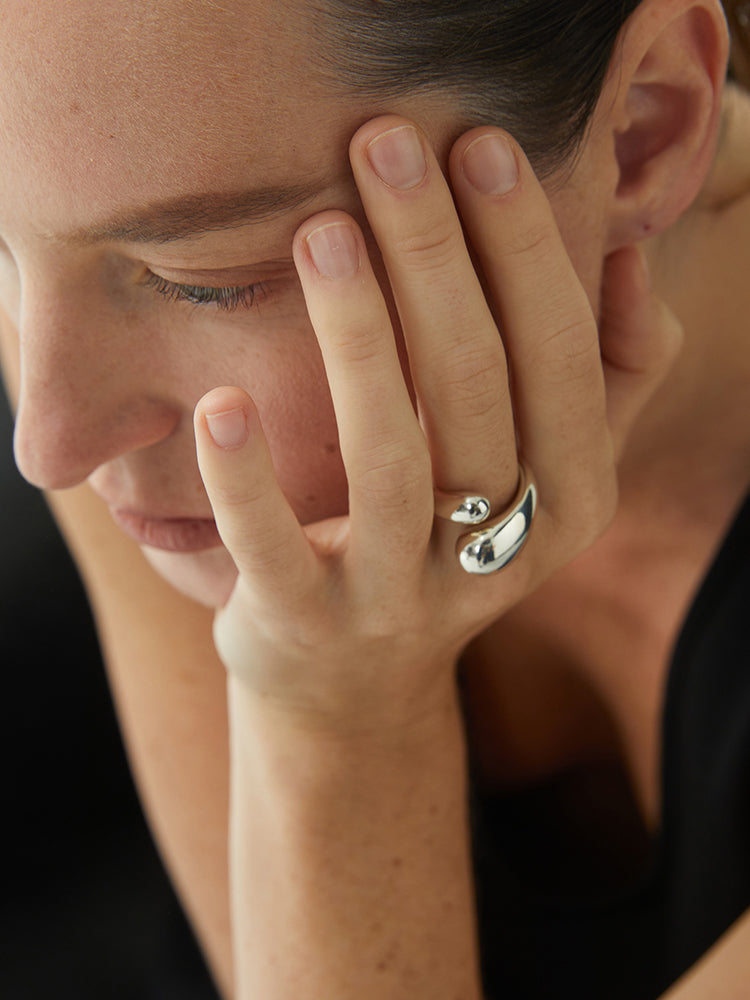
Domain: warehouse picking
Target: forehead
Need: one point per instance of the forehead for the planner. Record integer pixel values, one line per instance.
(167, 97)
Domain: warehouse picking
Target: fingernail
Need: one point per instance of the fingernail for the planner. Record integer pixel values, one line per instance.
(490, 165)
(229, 428)
(333, 250)
(397, 157)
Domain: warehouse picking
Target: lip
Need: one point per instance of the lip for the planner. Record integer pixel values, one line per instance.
(172, 534)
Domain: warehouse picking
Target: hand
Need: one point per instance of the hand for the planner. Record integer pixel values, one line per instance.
(361, 618)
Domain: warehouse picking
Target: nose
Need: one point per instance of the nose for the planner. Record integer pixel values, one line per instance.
(85, 394)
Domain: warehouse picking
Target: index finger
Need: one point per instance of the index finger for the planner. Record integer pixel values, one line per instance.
(255, 521)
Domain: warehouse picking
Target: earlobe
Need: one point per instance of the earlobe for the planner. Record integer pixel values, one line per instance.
(666, 113)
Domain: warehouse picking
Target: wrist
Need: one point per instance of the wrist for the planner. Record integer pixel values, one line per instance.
(374, 716)
(343, 842)
(312, 753)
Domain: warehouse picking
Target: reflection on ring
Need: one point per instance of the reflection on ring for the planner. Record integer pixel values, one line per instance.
(499, 542)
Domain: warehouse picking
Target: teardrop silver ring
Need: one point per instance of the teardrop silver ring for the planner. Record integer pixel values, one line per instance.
(461, 508)
(500, 539)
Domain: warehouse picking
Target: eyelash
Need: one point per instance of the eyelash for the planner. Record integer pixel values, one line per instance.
(227, 299)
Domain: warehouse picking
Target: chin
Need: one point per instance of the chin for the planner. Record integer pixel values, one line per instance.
(207, 577)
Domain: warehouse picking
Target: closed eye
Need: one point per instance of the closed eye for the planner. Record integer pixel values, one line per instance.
(227, 299)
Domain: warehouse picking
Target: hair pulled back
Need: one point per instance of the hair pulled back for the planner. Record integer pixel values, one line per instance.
(535, 67)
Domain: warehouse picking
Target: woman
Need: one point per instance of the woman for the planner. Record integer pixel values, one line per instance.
(190, 231)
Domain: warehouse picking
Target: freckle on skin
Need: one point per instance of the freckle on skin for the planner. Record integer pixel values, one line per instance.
(330, 448)
(387, 960)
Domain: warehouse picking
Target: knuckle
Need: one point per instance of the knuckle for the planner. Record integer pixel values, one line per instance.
(236, 497)
(570, 354)
(358, 343)
(263, 548)
(536, 241)
(472, 382)
(433, 245)
(392, 474)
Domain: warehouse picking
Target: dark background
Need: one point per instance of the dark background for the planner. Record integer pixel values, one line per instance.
(86, 910)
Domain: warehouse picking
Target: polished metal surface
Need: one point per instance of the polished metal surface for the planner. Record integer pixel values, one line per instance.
(492, 548)
(461, 508)
(471, 510)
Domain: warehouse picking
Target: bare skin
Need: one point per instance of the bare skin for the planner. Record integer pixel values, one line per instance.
(610, 727)
(176, 753)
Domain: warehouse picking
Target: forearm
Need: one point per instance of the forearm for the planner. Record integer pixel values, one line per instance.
(724, 971)
(350, 870)
(169, 690)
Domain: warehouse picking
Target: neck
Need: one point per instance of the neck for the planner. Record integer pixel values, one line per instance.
(691, 438)
(729, 178)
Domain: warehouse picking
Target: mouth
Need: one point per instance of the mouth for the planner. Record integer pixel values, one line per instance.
(172, 534)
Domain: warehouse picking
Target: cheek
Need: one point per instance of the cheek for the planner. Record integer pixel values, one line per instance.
(292, 396)
(300, 424)
(582, 221)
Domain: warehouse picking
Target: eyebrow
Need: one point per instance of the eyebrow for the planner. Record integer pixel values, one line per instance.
(195, 214)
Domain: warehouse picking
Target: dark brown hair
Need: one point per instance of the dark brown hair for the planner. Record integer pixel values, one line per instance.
(738, 15)
(535, 67)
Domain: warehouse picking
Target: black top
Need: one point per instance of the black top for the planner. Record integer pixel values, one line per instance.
(633, 943)
(86, 910)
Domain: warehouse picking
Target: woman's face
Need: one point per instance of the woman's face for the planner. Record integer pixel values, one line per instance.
(149, 152)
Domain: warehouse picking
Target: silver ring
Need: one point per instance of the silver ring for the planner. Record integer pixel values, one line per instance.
(461, 508)
(501, 539)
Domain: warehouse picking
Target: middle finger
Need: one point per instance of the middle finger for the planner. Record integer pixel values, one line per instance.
(456, 355)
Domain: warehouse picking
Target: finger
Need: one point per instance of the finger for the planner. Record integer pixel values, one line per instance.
(254, 519)
(548, 327)
(455, 352)
(382, 445)
(640, 339)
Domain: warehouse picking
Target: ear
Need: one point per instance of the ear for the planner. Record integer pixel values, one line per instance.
(662, 104)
